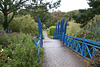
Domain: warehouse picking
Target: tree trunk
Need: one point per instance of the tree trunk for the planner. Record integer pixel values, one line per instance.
(5, 24)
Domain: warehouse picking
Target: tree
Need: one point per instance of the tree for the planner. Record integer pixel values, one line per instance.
(7, 7)
(83, 16)
(69, 15)
(95, 4)
(12, 6)
(41, 10)
(22, 12)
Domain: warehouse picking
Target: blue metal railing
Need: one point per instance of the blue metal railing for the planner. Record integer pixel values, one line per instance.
(85, 48)
(40, 39)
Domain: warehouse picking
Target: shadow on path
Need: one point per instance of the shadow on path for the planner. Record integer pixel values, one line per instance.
(58, 56)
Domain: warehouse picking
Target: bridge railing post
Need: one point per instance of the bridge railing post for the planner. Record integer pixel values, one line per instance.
(66, 40)
(54, 34)
(72, 46)
(61, 28)
(58, 30)
(65, 27)
(83, 48)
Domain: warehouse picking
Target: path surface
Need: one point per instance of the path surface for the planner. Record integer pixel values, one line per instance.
(58, 56)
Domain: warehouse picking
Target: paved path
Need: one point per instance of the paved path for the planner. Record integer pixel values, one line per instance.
(58, 56)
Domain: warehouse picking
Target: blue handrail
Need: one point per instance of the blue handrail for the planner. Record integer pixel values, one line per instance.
(40, 39)
(82, 46)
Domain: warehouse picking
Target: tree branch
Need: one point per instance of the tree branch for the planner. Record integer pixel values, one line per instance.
(12, 17)
(12, 9)
(1, 5)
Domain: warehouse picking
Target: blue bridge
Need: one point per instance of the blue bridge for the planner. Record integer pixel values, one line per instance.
(64, 50)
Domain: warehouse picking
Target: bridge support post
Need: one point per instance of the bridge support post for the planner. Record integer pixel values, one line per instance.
(72, 46)
(61, 29)
(58, 30)
(83, 48)
(40, 32)
(64, 32)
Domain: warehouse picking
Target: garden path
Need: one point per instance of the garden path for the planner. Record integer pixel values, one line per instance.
(56, 55)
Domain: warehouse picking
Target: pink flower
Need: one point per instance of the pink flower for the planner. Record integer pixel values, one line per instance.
(75, 36)
(92, 35)
(77, 31)
(87, 32)
(34, 37)
(81, 33)
(84, 34)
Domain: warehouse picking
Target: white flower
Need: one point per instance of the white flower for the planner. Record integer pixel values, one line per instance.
(2, 50)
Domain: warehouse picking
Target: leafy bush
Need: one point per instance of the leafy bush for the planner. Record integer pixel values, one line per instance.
(4, 40)
(95, 62)
(94, 26)
(0, 28)
(3, 57)
(26, 24)
(1, 17)
(81, 33)
(22, 52)
(51, 30)
(72, 28)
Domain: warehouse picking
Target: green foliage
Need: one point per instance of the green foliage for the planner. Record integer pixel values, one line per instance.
(26, 24)
(72, 28)
(95, 62)
(81, 33)
(51, 30)
(50, 23)
(70, 15)
(22, 12)
(1, 28)
(41, 12)
(4, 39)
(87, 14)
(7, 7)
(94, 26)
(3, 57)
(54, 18)
(84, 16)
(34, 7)
(22, 52)
(94, 3)
(1, 18)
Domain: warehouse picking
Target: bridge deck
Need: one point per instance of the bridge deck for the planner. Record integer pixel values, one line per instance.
(56, 55)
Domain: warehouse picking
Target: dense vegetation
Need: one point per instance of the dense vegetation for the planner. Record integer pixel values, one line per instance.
(19, 51)
(19, 28)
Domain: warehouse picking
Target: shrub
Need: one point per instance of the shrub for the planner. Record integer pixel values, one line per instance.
(26, 24)
(81, 33)
(1, 17)
(94, 26)
(4, 40)
(51, 30)
(72, 28)
(22, 52)
(3, 57)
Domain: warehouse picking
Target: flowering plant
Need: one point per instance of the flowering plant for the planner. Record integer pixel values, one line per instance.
(95, 62)
(82, 33)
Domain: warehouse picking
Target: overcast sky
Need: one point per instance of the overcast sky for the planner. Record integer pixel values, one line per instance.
(69, 5)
